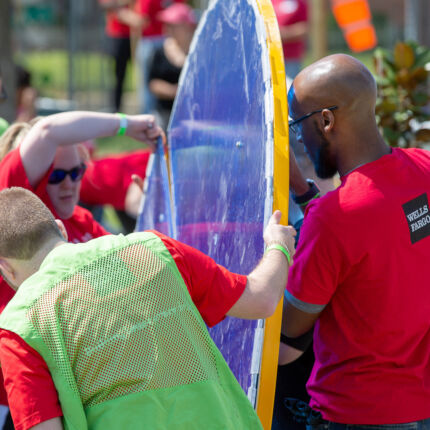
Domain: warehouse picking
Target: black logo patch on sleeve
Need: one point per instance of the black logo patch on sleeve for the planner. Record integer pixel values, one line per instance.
(418, 217)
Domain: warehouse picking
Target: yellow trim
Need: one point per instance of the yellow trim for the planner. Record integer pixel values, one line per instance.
(269, 361)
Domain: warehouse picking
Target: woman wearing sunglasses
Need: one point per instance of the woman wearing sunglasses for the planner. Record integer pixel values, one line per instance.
(46, 159)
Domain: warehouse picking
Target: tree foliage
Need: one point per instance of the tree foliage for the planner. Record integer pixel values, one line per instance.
(403, 95)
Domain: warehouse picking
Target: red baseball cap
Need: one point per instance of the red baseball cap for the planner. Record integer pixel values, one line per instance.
(177, 13)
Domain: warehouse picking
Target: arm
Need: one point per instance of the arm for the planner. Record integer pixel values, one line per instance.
(112, 5)
(33, 399)
(294, 32)
(296, 322)
(266, 283)
(38, 147)
(162, 89)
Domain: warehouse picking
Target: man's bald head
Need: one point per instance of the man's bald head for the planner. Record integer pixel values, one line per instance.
(337, 80)
(332, 104)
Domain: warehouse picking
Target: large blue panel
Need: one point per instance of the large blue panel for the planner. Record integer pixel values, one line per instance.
(221, 141)
(155, 211)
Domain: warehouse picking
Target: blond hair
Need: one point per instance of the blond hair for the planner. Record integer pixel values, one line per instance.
(26, 224)
(11, 138)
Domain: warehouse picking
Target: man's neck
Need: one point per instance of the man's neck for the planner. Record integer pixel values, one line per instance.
(28, 268)
(360, 154)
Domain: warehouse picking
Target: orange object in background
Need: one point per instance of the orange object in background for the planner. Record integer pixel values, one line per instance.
(355, 20)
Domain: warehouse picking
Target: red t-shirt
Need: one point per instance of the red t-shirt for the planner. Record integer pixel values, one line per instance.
(150, 9)
(364, 251)
(291, 12)
(114, 27)
(32, 395)
(106, 180)
(80, 227)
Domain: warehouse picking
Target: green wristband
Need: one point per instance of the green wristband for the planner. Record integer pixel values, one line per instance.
(279, 248)
(122, 124)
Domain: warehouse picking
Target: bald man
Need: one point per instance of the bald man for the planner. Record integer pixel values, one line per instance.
(360, 270)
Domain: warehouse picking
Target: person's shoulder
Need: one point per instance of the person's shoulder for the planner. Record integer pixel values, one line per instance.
(12, 157)
(415, 153)
(324, 204)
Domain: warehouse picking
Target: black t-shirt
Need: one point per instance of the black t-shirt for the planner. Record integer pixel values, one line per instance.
(162, 68)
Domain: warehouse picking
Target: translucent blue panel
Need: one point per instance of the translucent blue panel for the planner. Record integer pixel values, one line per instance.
(155, 211)
(220, 138)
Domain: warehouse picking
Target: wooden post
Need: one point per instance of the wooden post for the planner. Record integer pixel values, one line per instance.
(318, 28)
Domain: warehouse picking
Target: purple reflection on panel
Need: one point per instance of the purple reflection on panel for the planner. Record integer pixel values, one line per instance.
(155, 212)
(218, 134)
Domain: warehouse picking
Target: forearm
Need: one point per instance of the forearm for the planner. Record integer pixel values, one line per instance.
(264, 288)
(294, 32)
(162, 89)
(40, 144)
(112, 5)
(131, 18)
(268, 281)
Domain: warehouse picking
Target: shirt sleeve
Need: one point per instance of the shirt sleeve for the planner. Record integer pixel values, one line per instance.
(213, 289)
(12, 172)
(319, 263)
(31, 392)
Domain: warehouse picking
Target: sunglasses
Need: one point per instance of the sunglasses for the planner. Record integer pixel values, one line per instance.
(293, 124)
(58, 175)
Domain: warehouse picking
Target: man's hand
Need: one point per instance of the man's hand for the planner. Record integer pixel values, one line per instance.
(266, 283)
(275, 233)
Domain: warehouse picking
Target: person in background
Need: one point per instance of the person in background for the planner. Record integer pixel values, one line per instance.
(114, 330)
(179, 23)
(116, 180)
(292, 16)
(119, 17)
(26, 95)
(151, 34)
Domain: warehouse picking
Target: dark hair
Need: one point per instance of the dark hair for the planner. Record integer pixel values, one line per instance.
(26, 224)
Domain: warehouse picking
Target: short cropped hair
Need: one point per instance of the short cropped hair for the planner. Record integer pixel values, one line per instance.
(26, 224)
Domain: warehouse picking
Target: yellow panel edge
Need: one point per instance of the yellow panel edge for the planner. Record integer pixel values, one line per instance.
(269, 361)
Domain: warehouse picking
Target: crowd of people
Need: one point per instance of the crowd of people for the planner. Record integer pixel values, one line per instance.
(99, 330)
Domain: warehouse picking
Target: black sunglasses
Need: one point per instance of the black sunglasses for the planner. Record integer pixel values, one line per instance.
(58, 175)
(292, 124)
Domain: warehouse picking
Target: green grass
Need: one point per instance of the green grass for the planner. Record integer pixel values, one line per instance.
(116, 144)
(92, 72)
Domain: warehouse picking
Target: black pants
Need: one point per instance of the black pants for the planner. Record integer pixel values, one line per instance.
(119, 49)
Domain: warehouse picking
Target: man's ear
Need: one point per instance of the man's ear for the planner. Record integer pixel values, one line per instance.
(62, 229)
(328, 120)
(7, 269)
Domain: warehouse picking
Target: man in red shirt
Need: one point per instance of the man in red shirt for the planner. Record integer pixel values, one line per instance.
(44, 156)
(360, 272)
(213, 290)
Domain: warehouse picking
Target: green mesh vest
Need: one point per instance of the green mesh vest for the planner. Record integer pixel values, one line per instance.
(124, 343)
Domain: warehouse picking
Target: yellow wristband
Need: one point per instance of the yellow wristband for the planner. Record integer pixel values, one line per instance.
(279, 248)
(122, 124)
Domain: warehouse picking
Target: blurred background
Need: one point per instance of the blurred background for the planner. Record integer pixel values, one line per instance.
(62, 44)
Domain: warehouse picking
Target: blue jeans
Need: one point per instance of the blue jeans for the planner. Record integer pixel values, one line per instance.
(417, 425)
(144, 53)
